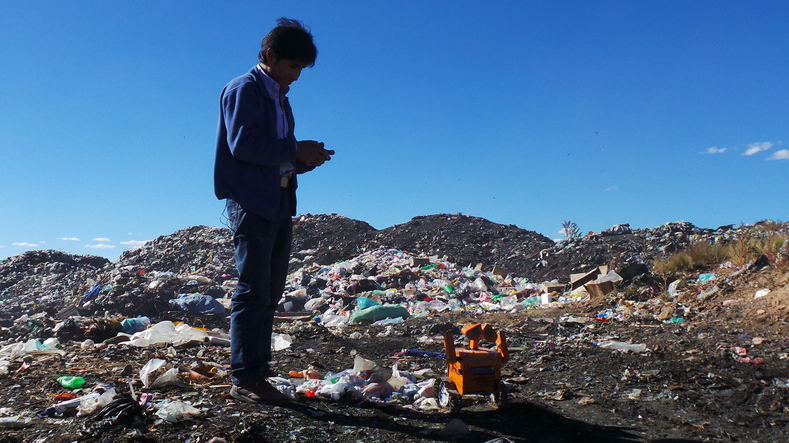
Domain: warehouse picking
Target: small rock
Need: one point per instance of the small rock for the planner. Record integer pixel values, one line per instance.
(562, 395)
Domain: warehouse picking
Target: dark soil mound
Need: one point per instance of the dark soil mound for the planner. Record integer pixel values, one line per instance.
(465, 240)
(325, 239)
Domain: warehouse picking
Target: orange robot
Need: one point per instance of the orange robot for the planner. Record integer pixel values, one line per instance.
(475, 371)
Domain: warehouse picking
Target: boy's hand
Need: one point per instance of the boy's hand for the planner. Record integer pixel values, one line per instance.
(312, 153)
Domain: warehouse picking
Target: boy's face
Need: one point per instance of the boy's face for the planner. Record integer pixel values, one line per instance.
(282, 71)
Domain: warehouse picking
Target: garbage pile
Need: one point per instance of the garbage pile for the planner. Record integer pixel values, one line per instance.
(134, 339)
(471, 262)
(393, 284)
(199, 259)
(42, 278)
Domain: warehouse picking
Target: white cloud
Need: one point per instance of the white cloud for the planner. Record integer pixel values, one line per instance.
(101, 239)
(783, 154)
(69, 238)
(100, 246)
(714, 150)
(25, 244)
(134, 242)
(753, 148)
(612, 188)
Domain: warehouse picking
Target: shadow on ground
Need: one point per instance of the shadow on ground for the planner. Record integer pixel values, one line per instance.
(515, 423)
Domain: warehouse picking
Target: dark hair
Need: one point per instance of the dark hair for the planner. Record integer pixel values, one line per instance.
(290, 40)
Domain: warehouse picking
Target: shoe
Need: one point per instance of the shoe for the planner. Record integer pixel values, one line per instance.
(259, 391)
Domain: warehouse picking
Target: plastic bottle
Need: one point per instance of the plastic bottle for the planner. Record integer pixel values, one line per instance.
(71, 382)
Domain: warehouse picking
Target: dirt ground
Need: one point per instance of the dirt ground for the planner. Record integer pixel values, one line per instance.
(721, 374)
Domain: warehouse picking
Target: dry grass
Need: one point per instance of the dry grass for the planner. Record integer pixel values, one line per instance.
(699, 255)
(766, 238)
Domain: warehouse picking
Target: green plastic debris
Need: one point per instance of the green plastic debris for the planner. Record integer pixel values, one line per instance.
(71, 382)
(375, 313)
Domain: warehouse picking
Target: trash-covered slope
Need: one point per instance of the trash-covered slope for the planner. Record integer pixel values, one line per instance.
(42, 280)
(200, 258)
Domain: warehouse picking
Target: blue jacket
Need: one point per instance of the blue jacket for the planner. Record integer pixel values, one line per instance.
(248, 151)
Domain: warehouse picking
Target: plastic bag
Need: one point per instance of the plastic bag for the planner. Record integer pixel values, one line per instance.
(426, 404)
(175, 411)
(35, 347)
(622, 346)
(381, 312)
(167, 332)
(364, 302)
(281, 341)
(479, 285)
(197, 304)
(379, 390)
(362, 364)
(168, 377)
(132, 325)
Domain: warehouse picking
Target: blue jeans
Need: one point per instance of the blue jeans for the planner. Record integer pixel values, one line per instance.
(262, 252)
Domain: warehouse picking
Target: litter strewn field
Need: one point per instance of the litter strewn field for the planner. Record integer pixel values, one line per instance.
(608, 339)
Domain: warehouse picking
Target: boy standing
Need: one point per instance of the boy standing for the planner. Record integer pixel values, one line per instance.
(257, 159)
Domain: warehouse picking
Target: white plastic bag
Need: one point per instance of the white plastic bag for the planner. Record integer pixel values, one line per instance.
(280, 342)
(175, 411)
(92, 403)
(622, 346)
(362, 364)
(169, 377)
(167, 332)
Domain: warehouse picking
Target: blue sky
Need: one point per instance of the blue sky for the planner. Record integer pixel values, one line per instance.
(522, 112)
